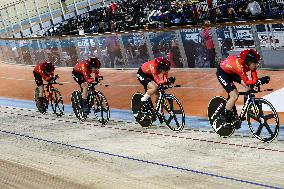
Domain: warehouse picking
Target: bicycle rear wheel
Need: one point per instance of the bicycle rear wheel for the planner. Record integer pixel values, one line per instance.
(174, 115)
(101, 108)
(57, 103)
(263, 120)
(43, 105)
(215, 108)
(76, 101)
(136, 105)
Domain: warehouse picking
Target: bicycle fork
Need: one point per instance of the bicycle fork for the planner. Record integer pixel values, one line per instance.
(246, 106)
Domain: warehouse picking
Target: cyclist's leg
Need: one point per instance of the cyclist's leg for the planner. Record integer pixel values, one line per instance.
(84, 87)
(149, 86)
(226, 80)
(40, 99)
(79, 78)
(39, 83)
(151, 89)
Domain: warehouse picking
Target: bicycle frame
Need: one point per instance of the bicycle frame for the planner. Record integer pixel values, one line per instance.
(48, 89)
(250, 99)
(160, 102)
(161, 99)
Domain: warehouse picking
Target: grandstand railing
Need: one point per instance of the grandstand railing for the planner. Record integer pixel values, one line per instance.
(186, 45)
(31, 17)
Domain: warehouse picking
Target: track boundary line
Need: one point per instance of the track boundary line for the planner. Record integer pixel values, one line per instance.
(140, 160)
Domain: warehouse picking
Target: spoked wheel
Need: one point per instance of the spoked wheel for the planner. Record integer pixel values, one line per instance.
(57, 103)
(263, 120)
(215, 108)
(136, 105)
(76, 100)
(174, 116)
(101, 108)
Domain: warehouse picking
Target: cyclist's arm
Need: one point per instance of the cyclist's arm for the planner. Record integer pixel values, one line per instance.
(254, 75)
(51, 74)
(97, 74)
(157, 78)
(44, 76)
(166, 76)
(246, 80)
(87, 77)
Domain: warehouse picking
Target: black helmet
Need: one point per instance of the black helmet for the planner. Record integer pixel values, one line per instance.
(49, 67)
(163, 64)
(94, 62)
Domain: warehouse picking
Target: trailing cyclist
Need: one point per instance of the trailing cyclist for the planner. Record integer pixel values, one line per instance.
(234, 69)
(43, 71)
(82, 75)
(148, 76)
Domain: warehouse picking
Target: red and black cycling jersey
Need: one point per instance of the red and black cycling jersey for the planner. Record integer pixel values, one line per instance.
(41, 69)
(235, 65)
(83, 68)
(151, 68)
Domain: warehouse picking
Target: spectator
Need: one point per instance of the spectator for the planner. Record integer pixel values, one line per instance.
(206, 35)
(174, 55)
(113, 7)
(231, 13)
(113, 52)
(253, 8)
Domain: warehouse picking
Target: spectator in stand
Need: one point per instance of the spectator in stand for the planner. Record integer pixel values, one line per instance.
(253, 8)
(113, 7)
(231, 13)
(207, 36)
(174, 55)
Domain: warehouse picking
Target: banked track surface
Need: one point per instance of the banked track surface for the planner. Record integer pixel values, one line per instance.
(71, 154)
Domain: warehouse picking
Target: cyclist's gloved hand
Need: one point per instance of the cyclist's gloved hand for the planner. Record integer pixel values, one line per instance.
(100, 78)
(56, 77)
(263, 80)
(51, 79)
(171, 80)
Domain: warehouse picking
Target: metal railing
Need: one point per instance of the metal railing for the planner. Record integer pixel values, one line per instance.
(31, 17)
(187, 47)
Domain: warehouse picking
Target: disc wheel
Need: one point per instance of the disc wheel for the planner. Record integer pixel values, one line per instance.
(136, 105)
(215, 109)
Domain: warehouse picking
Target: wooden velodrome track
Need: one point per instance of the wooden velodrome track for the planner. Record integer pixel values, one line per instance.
(43, 151)
(199, 86)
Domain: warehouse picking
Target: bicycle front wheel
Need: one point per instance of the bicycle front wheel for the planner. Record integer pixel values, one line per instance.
(263, 120)
(174, 115)
(101, 108)
(57, 103)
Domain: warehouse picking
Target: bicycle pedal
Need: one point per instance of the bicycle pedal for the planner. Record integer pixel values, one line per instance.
(145, 117)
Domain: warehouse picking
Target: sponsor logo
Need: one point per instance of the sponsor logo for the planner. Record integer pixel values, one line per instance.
(214, 125)
(140, 77)
(223, 81)
(217, 110)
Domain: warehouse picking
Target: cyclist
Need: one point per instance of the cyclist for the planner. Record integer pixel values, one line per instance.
(234, 69)
(82, 75)
(148, 76)
(43, 70)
